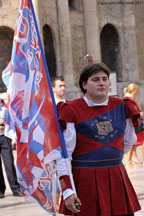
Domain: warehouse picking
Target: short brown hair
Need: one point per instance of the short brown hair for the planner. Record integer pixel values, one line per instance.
(54, 79)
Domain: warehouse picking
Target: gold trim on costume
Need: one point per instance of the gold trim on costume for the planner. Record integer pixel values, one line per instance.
(98, 160)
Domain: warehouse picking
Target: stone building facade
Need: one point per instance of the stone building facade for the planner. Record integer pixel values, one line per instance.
(111, 31)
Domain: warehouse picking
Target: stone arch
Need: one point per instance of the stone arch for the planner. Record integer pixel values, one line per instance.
(110, 48)
(71, 4)
(49, 50)
(6, 40)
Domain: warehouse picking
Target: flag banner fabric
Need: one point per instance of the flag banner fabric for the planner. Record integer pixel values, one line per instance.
(33, 112)
(6, 75)
(9, 127)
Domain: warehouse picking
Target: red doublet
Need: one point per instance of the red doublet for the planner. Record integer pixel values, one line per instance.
(103, 187)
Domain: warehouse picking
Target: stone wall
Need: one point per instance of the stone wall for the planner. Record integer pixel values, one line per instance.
(78, 41)
(139, 28)
(128, 20)
(8, 14)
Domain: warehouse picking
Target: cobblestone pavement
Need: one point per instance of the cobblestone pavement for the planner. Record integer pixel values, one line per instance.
(136, 174)
(16, 206)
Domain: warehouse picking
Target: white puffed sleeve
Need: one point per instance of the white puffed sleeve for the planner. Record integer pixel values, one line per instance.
(70, 141)
(130, 136)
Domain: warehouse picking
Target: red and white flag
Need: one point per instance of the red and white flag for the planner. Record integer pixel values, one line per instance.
(33, 112)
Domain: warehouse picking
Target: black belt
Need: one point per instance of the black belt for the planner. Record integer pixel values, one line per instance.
(96, 163)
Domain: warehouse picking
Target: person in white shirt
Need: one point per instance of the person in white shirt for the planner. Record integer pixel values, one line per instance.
(97, 129)
(58, 86)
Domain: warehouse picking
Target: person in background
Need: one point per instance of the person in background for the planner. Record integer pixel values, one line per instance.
(97, 129)
(131, 157)
(58, 86)
(7, 157)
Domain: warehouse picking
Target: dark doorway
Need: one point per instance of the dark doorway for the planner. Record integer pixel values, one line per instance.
(6, 40)
(110, 50)
(71, 4)
(49, 50)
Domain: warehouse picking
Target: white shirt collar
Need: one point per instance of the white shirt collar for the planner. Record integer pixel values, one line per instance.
(90, 103)
(59, 100)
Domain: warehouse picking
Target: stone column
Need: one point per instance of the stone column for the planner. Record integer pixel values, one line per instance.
(66, 46)
(36, 6)
(129, 48)
(92, 29)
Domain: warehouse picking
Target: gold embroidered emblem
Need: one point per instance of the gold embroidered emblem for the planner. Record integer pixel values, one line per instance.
(104, 127)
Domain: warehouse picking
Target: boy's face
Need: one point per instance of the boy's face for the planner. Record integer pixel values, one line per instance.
(97, 87)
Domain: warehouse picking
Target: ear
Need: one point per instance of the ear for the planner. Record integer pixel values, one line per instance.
(84, 84)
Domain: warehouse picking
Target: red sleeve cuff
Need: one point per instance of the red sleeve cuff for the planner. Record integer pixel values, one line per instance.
(65, 182)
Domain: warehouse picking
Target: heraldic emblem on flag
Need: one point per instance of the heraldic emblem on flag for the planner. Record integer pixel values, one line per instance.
(33, 111)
